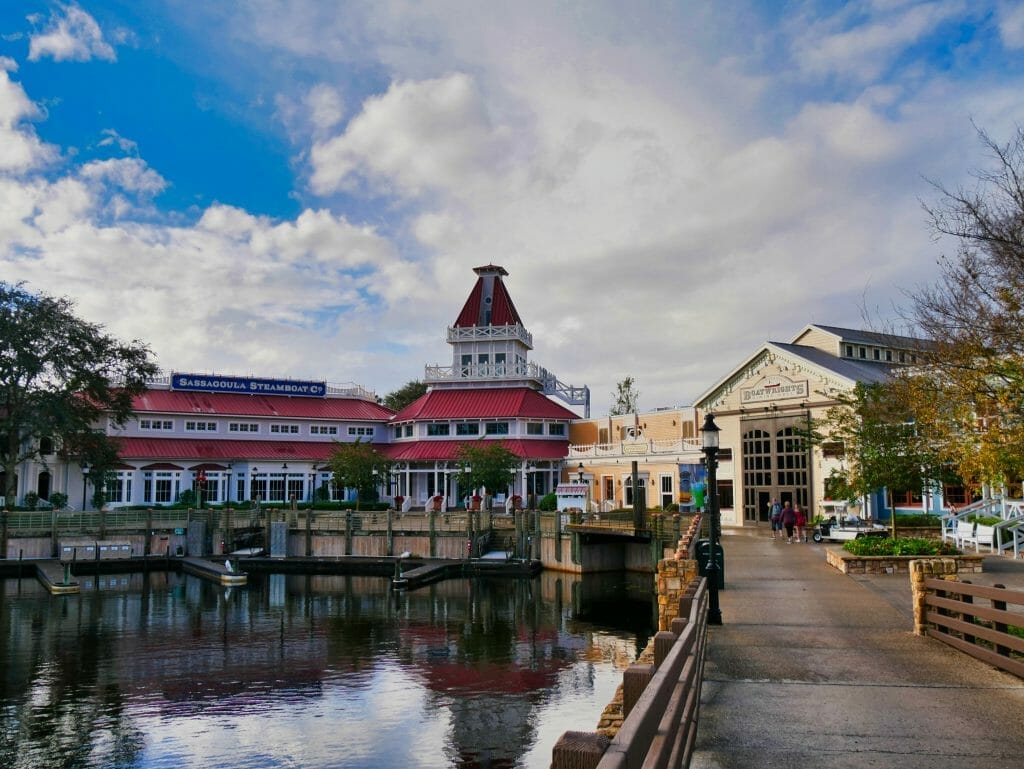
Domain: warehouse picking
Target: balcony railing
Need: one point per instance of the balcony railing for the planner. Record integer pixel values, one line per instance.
(490, 333)
(635, 448)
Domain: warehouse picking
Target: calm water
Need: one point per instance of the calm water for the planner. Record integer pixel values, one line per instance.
(166, 670)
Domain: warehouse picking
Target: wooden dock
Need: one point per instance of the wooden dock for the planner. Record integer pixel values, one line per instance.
(224, 572)
(55, 578)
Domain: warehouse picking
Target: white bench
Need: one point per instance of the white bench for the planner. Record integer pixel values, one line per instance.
(964, 533)
(975, 534)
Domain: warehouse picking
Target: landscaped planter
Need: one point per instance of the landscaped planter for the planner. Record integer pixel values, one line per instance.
(968, 563)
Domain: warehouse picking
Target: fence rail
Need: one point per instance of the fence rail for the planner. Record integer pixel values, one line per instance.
(661, 702)
(990, 633)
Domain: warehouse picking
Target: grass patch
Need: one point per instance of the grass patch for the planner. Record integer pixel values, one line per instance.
(882, 546)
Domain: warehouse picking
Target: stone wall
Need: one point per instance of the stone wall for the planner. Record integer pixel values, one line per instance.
(895, 564)
(675, 575)
(924, 569)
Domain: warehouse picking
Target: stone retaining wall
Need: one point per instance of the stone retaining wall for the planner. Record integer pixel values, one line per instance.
(675, 575)
(895, 564)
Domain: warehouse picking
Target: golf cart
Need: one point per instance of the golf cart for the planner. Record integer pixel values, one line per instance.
(839, 526)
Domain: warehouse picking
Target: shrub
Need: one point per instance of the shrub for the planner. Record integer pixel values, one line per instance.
(58, 500)
(31, 500)
(548, 503)
(881, 546)
(920, 520)
(983, 520)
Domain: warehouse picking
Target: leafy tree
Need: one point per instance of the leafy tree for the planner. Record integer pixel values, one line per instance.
(969, 390)
(59, 375)
(626, 397)
(883, 447)
(404, 395)
(361, 467)
(486, 464)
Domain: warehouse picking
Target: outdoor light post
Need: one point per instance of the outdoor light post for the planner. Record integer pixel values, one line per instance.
(85, 479)
(709, 435)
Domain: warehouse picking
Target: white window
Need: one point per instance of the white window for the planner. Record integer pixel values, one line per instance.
(323, 429)
(360, 431)
(243, 427)
(496, 428)
(119, 487)
(467, 428)
(200, 427)
(156, 424)
(160, 487)
(556, 428)
(435, 430)
(284, 429)
(534, 428)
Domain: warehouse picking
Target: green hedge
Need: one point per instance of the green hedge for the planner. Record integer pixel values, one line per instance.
(919, 521)
(881, 546)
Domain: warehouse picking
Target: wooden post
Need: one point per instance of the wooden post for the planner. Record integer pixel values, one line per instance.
(634, 681)
(1000, 627)
(579, 750)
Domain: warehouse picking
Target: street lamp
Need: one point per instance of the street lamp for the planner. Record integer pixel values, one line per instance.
(85, 477)
(252, 483)
(579, 474)
(709, 443)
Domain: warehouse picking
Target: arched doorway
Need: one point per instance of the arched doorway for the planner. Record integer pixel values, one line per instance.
(775, 466)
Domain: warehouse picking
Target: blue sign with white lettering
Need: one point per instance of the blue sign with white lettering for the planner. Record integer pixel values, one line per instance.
(210, 383)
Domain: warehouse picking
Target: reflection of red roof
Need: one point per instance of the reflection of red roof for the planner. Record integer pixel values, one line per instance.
(449, 450)
(203, 448)
(490, 677)
(496, 403)
(281, 406)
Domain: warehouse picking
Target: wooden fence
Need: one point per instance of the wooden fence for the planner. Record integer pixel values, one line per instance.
(660, 702)
(989, 632)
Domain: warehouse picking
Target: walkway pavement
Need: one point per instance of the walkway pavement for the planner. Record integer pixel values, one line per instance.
(813, 669)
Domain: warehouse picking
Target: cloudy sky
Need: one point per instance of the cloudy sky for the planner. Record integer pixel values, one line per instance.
(302, 187)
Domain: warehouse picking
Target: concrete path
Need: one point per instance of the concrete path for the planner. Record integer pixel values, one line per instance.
(814, 669)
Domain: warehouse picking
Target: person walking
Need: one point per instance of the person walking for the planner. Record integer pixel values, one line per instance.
(788, 521)
(801, 524)
(775, 518)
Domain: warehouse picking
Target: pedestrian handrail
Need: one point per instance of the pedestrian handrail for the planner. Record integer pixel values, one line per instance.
(660, 702)
(982, 631)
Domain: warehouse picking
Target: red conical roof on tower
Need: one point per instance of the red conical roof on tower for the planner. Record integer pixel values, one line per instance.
(489, 303)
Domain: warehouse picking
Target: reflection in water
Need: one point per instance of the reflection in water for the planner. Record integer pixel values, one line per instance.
(166, 670)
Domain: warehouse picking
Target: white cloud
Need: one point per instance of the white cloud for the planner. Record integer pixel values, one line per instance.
(20, 148)
(1011, 24)
(129, 174)
(863, 51)
(71, 35)
(417, 136)
(112, 138)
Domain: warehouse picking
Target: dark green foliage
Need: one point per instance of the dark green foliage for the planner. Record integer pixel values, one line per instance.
(486, 464)
(404, 395)
(58, 376)
(361, 467)
(881, 546)
(548, 503)
(918, 521)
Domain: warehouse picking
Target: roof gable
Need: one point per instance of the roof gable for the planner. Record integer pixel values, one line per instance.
(483, 403)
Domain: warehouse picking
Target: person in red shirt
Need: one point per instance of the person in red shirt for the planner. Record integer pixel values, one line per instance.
(801, 524)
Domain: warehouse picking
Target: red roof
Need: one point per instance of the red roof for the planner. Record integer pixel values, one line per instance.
(190, 449)
(503, 312)
(280, 406)
(495, 403)
(440, 450)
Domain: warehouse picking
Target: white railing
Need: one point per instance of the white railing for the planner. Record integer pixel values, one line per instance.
(1008, 534)
(631, 448)
(490, 333)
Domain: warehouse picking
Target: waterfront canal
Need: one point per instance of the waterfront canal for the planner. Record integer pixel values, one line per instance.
(166, 670)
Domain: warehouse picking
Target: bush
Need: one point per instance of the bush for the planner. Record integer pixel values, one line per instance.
(548, 503)
(982, 520)
(58, 500)
(920, 520)
(31, 500)
(881, 546)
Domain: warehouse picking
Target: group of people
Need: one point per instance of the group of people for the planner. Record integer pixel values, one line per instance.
(790, 518)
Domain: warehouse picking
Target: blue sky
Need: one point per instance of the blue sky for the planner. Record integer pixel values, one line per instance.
(297, 187)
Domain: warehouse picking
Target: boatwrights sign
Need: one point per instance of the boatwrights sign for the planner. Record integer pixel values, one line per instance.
(235, 384)
(773, 388)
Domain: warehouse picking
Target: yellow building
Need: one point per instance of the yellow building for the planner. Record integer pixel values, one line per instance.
(761, 406)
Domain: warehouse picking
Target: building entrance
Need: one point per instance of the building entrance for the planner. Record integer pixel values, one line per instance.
(775, 466)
